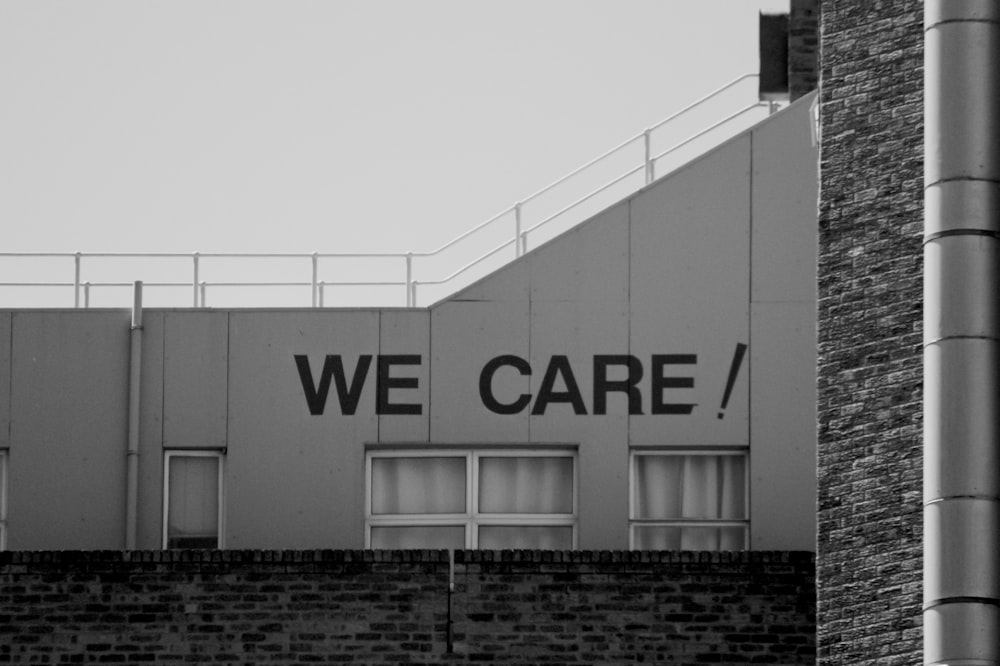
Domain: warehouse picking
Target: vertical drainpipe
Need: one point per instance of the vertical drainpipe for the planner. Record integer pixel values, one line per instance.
(961, 332)
(132, 456)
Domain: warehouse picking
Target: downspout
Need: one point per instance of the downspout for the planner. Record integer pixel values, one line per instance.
(961, 332)
(132, 455)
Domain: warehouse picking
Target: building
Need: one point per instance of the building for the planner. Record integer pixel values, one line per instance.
(643, 382)
(670, 337)
(906, 571)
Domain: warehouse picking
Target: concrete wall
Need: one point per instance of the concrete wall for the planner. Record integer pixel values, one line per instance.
(719, 253)
(68, 424)
(714, 257)
(525, 607)
(783, 338)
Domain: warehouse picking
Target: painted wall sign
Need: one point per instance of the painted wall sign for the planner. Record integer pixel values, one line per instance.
(348, 395)
(559, 369)
(558, 386)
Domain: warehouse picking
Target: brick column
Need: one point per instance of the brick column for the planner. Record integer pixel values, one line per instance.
(803, 48)
(869, 324)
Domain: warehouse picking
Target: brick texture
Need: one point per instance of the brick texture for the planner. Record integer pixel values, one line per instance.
(803, 48)
(870, 358)
(510, 607)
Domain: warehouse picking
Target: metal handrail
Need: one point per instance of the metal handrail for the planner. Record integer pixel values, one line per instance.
(317, 286)
(587, 197)
(708, 129)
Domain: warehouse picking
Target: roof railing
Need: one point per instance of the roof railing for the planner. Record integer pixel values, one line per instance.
(82, 288)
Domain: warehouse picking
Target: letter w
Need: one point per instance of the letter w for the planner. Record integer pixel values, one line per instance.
(333, 367)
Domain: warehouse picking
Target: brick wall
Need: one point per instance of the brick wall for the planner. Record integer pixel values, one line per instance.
(869, 386)
(295, 607)
(803, 48)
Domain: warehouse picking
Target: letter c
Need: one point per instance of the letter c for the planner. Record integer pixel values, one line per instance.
(486, 384)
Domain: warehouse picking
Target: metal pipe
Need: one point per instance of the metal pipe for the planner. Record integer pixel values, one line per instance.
(708, 129)
(599, 158)
(586, 197)
(517, 230)
(961, 332)
(469, 265)
(132, 454)
(450, 641)
(704, 99)
(648, 158)
(194, 281)
(409, 279)
(458, 238)
(315, 277)
(520, 237)
(333, 283)
(76, 280)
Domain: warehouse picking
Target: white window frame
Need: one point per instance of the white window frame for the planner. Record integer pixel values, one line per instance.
(634, 522)
(4, 458)
(194, 453)
(472, 518)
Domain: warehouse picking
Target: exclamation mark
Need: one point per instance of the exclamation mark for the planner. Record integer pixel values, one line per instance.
(734, 370)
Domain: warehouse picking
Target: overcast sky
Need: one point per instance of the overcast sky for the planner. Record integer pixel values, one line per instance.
(377, 125)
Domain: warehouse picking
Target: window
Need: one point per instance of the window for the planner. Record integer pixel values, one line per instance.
(488, 499)
(688, 500)
(3, 500)
(192, 502)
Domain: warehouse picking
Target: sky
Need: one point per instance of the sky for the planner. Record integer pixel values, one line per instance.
(328, 126)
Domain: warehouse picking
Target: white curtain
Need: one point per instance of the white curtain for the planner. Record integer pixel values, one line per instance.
(525, 485)
(692, 487)
(418, 485)
(659, 537)
(532, 537)
(425, 486)
(193, 511)
(418, 536)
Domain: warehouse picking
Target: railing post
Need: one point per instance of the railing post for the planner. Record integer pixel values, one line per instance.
(517, 229)
(647, 141)
(194, 282)
(315, 263)
(521, 231)
(409, 280)
(76, 280)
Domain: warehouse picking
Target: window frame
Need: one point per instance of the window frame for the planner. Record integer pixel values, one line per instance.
(194, 453)
(472, 519)
(634, 522)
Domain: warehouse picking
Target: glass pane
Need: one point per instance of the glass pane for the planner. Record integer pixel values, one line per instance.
(544, 537)
(698, 487)
(419, 536)
(526, 485)
(655, 537)
(418, 485)
(193, 513)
